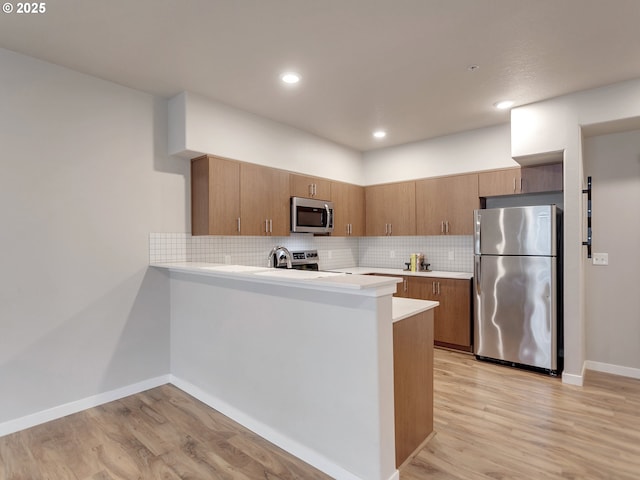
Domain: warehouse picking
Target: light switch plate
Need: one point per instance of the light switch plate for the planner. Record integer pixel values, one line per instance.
(392, 254)
(600, 258)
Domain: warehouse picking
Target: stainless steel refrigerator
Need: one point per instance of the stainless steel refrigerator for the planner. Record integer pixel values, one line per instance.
(517, 285)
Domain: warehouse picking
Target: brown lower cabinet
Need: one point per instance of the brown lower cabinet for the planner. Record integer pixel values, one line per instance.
(453, 318)
(413, 382)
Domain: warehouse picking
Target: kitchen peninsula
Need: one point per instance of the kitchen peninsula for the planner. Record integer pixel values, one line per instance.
(304, 359)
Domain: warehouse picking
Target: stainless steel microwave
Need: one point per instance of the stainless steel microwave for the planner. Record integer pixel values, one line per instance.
(309, 215)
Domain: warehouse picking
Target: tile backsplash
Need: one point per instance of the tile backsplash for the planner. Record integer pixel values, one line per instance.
(446, 252)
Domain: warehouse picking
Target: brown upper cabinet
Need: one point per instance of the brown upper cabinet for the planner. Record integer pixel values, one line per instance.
(444, 205)
(215, 197)
(542, 178)
(229, 197)
(534, 179)
(499, 182)
(348, 209)
(310, 187)
(391, 209)
(264, 200)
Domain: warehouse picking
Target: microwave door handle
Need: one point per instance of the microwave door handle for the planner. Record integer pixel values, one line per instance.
(326, 207)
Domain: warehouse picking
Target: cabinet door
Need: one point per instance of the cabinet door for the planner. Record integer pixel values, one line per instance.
(542, 178)
(264, 200)
(310, 187)
(430, 206)
(445, 205)
(356, 209)
(463, 200)
(348, 205)
(499, 182)
(215, 197)
(452, 327)
(391, 209)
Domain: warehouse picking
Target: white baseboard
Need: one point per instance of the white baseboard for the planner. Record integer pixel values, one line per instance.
(613, 369)
(395, 476)
(60, 411)
(296, 449)
(572, 379)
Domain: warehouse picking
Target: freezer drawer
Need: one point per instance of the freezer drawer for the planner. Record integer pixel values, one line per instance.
(515, 315)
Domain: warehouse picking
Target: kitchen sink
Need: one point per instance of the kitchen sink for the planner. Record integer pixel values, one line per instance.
(296, 274)
(234, 268)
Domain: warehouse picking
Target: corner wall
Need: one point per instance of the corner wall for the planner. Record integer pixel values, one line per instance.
(612, 302)
(557, 125)
(85, 178)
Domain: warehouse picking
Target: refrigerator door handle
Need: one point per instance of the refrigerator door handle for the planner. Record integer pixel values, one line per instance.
(477, 232)
(477, 274)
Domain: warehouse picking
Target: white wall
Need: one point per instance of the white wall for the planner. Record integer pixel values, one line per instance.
(198, 125)
(474, 150)
(557, 125)
(612, 301)
(84, 178)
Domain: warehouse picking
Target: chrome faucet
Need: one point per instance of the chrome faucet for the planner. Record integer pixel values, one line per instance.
(283, 251)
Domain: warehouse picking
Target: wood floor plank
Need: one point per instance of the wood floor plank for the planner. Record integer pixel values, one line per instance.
(491, 423)
(495, 422)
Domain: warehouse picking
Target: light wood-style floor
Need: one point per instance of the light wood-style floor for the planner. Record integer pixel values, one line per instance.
(495, 422)
(159, 434)
(492, 422)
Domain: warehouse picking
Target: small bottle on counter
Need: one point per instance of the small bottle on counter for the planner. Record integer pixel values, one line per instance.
(414, 262)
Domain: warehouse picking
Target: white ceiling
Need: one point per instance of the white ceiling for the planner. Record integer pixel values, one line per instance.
(401, 65)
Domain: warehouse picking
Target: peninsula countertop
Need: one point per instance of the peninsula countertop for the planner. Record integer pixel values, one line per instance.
(342, 282)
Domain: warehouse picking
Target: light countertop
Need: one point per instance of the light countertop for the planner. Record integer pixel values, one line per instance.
(334, 281)
(402, 308)
(400, 272)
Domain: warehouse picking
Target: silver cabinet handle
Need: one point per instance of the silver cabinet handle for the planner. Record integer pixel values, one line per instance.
(514, 184)
(270, 225)
(438, 288)
(390, 228)
(351, 229)
(433, 288)
(266, 226)
(238, 224)
(386, 229)
(446, 226)
(311, 189)
(442, 227)
(405, 284)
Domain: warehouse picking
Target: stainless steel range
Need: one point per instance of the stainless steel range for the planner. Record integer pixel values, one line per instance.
(281, 257)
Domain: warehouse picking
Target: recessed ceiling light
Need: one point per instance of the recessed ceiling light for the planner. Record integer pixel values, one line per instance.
(290, 77)
(503, 105)
(379, 134)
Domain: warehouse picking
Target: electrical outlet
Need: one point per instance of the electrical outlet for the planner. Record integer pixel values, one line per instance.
(600, 259)
(329, 254)
(227, 259)
(451, 255)
(392, 254)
